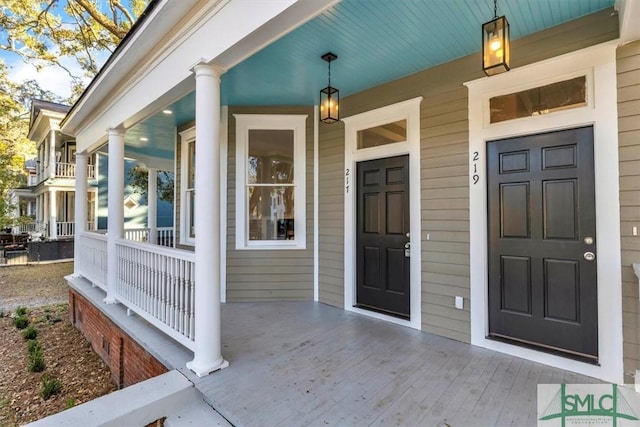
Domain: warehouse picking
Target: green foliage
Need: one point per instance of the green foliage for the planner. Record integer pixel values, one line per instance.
(50, 33)
(36, 361)
(21, 322)
(30, 333)
(21, 311)
(33, 346)
(139, 181)
(49, 386)
(69, 402)
(43, 34)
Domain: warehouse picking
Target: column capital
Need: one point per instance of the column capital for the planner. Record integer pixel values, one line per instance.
(116, 131)
(204, 69)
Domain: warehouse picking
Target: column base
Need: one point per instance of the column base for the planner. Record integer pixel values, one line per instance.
(110, 300)
(204, 370)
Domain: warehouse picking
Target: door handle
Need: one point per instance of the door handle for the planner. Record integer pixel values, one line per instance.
(407, 249)
(589, 256)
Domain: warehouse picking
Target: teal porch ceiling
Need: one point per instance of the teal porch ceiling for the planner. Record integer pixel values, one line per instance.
(376, 41)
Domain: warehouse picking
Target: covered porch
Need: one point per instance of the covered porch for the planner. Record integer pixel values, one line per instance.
(307, 363)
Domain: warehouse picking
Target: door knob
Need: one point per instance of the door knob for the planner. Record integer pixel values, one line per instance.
(589, 256)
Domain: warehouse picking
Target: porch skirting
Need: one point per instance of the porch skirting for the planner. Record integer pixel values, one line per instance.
(128, 360)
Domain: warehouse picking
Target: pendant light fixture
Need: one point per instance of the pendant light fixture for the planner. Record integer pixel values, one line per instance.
(495, 44)
(329, 96)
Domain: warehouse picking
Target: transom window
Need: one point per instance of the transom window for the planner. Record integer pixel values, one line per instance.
(539, 100)
(387, 133)
(270, 185)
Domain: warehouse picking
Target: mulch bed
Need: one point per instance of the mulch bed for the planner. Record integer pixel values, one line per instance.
(68, 356)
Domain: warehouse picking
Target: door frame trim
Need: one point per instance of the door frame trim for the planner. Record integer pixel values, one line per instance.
(598, 63)
(409, 110)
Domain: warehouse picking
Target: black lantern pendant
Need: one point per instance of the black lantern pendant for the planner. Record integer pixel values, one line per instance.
(329, 96)
(495, 44)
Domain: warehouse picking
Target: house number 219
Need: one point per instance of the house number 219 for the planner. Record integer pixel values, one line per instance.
(475, 158)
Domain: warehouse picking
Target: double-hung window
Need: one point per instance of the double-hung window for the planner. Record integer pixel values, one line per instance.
(270, 181)
(187, 186)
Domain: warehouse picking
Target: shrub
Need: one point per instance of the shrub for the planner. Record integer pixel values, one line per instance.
(36, 360)
(30, 333)
(49, 386)
(21, 311)
(33, 346)
(21, 321)
(70, 402)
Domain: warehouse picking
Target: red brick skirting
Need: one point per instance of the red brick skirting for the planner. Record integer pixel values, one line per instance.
(128, 361)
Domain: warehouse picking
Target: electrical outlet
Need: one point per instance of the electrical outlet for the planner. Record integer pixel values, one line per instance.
(459, 303)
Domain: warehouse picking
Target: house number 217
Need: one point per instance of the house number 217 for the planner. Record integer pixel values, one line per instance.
(346, 180)
(475, 158)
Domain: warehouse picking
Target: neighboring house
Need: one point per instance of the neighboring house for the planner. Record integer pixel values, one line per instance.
(23, 200)
(54, 186)
(500, 211)
(52, 179)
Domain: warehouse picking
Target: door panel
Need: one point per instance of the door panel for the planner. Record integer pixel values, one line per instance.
(382, 282)
(541, 207)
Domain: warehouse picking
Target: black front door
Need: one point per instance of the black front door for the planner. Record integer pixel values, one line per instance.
(542, 268)
(382, 234)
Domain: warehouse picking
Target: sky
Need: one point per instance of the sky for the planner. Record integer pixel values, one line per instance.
(54, 79)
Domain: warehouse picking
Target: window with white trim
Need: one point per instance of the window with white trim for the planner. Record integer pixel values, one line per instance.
(187, 186)
(270, 181)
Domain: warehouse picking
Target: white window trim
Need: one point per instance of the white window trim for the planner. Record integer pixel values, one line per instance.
(598, 63)
(410, 111)
(186, 137)
(296, 123)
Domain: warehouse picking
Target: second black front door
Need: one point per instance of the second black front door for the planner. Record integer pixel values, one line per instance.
(382, 236)
(542, 267)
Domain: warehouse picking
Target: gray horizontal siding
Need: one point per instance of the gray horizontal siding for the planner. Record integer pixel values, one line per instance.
(331, 215)
(269, 275)
(444, 164)
(628, 69)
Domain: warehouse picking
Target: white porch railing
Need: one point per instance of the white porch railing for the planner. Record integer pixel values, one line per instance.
(164, 235)
(25, 228)
(158, 284)
(65, 229)
(93, 257)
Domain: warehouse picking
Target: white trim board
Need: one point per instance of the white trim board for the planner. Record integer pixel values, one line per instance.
(598, 63)
(409, 110)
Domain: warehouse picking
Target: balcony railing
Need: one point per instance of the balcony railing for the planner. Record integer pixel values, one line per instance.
(65, 171)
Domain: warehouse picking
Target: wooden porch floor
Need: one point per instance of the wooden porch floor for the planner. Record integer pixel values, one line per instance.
(309, 364)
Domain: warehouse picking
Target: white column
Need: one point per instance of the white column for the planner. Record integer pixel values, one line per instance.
(80, 208)
(152, 206)
(52, 153)
(115, 197)
(207, 354)
(53, 214)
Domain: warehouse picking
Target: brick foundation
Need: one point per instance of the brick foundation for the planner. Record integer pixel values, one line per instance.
(128, 362)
